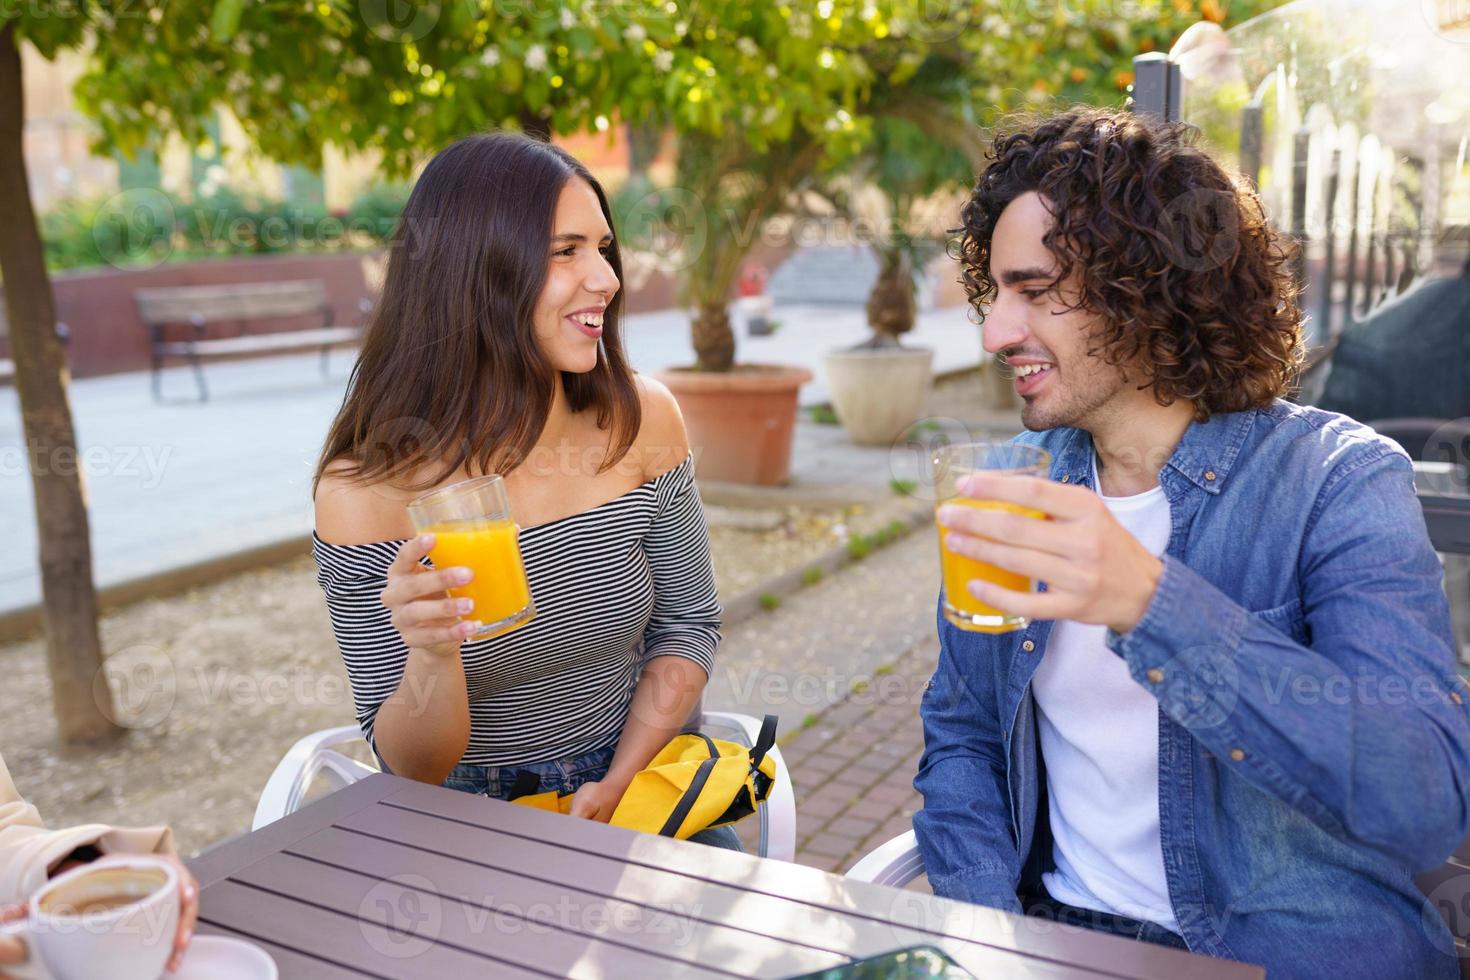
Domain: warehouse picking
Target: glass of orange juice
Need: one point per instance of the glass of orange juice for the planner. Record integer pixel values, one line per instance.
(951, 464)
(472, 527)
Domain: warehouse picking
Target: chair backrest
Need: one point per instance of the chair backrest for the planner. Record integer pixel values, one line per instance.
(1428, 439)
(236, 301)
(894, 863)
(1448, 891)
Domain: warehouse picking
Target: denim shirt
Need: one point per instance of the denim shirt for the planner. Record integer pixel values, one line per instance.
(1314, 746)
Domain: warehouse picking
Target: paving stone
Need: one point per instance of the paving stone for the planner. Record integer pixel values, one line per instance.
(857, 827)
(831, 845)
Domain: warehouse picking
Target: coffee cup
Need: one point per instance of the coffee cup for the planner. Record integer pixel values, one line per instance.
(114, 917)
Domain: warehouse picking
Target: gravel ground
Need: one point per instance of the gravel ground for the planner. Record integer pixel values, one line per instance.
(216, 683)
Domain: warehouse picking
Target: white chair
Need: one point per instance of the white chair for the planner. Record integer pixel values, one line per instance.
(895, 863)
(315, 755)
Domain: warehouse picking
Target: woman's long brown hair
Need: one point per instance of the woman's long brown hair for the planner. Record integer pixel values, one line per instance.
(450, 371)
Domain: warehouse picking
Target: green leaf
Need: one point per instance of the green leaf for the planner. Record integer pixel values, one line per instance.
(581, 40)
(225, 20)
(512, 76)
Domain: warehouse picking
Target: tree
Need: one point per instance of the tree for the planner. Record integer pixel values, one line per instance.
(905, 166)
(925, 140)
(780, 96)
(296, 76)
(82, 699)
(784, 93)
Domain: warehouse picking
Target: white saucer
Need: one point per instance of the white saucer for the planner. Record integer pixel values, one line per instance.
(223, 958)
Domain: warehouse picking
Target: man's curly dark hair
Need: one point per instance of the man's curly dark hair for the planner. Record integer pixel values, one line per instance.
(1190, 281)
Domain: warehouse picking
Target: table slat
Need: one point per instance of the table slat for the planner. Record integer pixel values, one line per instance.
(219, 862)
(337, 937)
(442, 902)
(290, 962)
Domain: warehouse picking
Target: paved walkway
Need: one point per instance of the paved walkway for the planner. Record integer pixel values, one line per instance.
(843, 664)
(173, 485)
(854, 769)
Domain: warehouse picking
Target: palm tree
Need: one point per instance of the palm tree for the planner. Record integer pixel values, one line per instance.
(737, 189)
(925, 141)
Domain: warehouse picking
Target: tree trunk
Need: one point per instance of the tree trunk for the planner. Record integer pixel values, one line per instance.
(79, 691)
(891, 305)
(714, 337)
(644, 140)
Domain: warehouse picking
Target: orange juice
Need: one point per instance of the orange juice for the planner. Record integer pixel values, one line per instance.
(960, 607)
(492, 549)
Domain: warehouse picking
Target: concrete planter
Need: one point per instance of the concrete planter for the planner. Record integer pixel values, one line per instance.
(741, 421)
(879, 393)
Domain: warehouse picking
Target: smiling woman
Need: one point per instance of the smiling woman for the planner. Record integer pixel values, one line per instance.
(496, 348)
(473, 335)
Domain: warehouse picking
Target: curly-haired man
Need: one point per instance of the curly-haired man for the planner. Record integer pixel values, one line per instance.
(1232, 723)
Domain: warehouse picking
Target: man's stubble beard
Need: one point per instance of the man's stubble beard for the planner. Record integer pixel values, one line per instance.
(1076, 406)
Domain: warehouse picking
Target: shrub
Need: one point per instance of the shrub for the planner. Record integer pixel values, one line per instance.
(376, 211)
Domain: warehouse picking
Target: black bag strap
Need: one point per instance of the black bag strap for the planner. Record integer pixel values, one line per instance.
(686, 802)
(763, 741)
(526, 784)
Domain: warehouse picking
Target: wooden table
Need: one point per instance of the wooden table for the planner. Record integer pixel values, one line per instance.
(393, 878)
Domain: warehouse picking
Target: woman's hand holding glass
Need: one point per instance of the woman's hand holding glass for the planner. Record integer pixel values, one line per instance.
(423, 612)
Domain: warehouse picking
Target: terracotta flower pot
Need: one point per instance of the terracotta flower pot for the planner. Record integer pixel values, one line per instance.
(740, 422)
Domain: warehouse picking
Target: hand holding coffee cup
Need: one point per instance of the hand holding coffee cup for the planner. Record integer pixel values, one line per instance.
(122, 910)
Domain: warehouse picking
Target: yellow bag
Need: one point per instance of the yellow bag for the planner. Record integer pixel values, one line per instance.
(695, 782)
(551, 802)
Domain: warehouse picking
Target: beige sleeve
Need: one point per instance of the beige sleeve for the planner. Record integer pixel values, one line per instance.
(28, 849)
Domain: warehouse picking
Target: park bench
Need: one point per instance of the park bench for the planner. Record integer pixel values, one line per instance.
(164, 309)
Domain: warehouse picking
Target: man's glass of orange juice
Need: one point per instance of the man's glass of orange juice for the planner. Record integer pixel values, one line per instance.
(951, 464)
(472, 527)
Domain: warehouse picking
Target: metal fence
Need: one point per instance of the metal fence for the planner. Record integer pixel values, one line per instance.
(1352, 122)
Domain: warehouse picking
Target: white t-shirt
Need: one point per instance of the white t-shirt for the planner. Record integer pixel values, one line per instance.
(1100, 742)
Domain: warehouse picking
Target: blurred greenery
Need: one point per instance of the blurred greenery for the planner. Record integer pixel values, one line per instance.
(375, 212)
(767, 97)
(79, 233)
